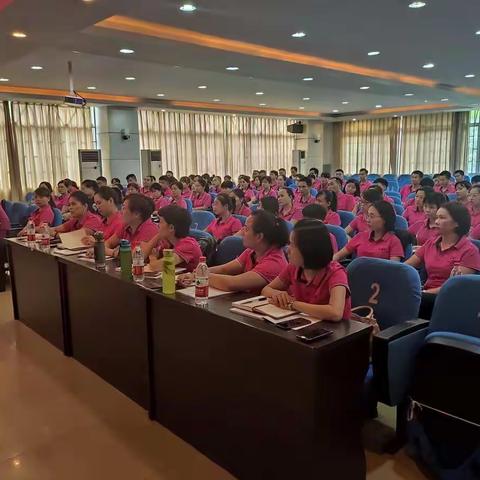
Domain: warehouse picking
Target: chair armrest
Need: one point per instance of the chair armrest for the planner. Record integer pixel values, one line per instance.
(393, 359)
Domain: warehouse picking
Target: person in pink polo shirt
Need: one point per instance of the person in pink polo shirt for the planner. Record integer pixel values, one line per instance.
(44, 212)
(303, 196)
(364, 181)
(328, 200)
(244, 184)
(137, 226)
(187, 191)
(382, 183)
(266, 189)
(61, 200)
(380, 241)
(415, 213)
(241, 206)
(133, 188)
(281, 182)
(89, 188)
(81, 216)
(288, 210)
(173, 231)
(444, 185)
(159, 199)
(318, 212)
(359, 224)
(474, 207)
(201, 200)
(462, 190)
(345, 201)
(148, 181)
(451, 253)
(261, 261)
(415, 177)
(177, 197)
(427, 229)
(165, 181)
(108, 201)
(312, 282)
(225, 225)
(215, 186)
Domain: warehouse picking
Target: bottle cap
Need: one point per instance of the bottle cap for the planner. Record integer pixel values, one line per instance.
(167, 252)
(203, 259)
(124, 244)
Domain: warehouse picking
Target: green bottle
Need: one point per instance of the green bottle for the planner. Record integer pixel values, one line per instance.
(125, 255)
(168, 275)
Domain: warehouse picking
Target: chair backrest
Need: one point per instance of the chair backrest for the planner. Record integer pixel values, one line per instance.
(313, 192)
(242, 218)
(340, 235)
(401, 223)
(373, 176)
(393, 194)
(228, 249)
(7, 206)
(398, 209)
(345, 217)
(202, 218)
(189, 205)
(29, 197)
(476, 243)
(396, 200)
(452, 197)
(289, 226)
(392, 289)
(57, 217)
(206, 241)
(411, 195)
(393, 185)
(457, 307)
(19, 213)
(254, 207)
(390, 176)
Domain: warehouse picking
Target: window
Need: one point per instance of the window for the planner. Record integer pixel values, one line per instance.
(473, 160)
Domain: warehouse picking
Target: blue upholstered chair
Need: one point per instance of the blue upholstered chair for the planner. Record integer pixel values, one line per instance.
(20, 213)
(57, 217)
(339, 234)
(202, 218)
(393, 194)
(373, 176)
(254, 207)
(452, 197)
(289, 226)
(389, 177)
(345, 217)
(313, 192)
(398, 209)
(242, 218)
(476, 243)
(7, 206)
(401, 223)
(189, 205)
(411, 195)
(396, 200)
(29, 197)
(393, 185)
(228, 249)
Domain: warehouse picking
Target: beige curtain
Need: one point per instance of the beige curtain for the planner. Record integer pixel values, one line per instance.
(48, 138)
(214, 143)
(5, 190)
(366, 144)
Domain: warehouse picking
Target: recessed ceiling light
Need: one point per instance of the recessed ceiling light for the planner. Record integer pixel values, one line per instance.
(444, 100)
(299, 34)
(477, 33)
(425, 101)
(216, 100)
(263, 104)
(232, 69)
(395, 116)
(202, 87)
(36, 67)
(91, 88)
(335, 111)
(163, 110)
(306, 99)
(76, 52)
(130, 78)
(373, 54)
(408, 94)
(378, 106)
(127, 51)
(188, 7)
(470, 75)
(19, 35)
(308, 79)
(417, 4)
(160, 94)
(364, 88)
(259, 93)
(354, 119)
(345, 103)
(428, 65)
(301, 108)
(3, 79)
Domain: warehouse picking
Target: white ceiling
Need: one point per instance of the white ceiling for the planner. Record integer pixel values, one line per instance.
(343, 30)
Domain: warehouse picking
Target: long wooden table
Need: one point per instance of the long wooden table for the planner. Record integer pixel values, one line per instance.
(250, 396)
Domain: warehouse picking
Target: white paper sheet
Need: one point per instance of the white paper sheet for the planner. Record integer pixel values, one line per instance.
(73, 240)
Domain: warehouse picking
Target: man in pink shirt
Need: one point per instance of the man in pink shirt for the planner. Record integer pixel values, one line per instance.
(416, 177)
(303, 196)
(364, 181)
(444, 184)
(164, 182)
(148, 181)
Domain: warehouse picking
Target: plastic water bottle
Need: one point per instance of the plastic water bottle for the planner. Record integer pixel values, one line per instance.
(44, 237)
(201, 283)
(138, 265)
(168, 274)
(125, 254)
(31, 234)
(99, 251)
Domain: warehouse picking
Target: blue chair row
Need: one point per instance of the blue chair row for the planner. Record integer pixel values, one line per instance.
(201, 219)
(189, 205)
(345, 217)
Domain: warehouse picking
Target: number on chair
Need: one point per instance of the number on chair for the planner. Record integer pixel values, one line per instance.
(376, 291)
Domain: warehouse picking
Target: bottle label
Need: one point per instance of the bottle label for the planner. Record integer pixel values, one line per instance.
(45, 241)
(201, 291)
(138, 270)
(31, 237)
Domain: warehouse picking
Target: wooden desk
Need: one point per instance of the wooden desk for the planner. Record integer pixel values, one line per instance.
(250, 396)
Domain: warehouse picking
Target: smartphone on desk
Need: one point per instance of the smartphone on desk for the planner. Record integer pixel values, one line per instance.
(292, 323)
(313, 333)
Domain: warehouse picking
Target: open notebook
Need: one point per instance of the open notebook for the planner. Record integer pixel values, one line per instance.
(73, 240)
(262, 306)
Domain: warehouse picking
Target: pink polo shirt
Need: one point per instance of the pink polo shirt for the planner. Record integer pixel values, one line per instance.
(318, 290)
(249, 194)
(413, 215)
(204, 200)
(145, 232)
(179, 203)
(290, 215)
(423, 231)
(450, 188)
(268, 266)
(271, 193)
(386, 247)
(244, 210)
(187, 249)
(439, 264)
(4, 223)
(406, 190)
(359, 223)
(300, 203)
(221, 229)
(475, 232)
(388, 199)
(186, 193)
(346, 202)
(365, 185)
(62, 201)
(89, 221)
(333, 240)
(332, 218)
(474, 216)
(111, 224)
(161, 202)
(42, 215)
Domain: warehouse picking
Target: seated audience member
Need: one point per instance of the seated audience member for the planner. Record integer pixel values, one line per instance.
(281, 182)
(227, 187)
(131, 178)
(107, 200)
(474, 206)
(380, 241)
(133, 188)
(270, 204)
(81, 216)
(156, 194)
(352, 187)
(340, 174)
(186, 182)
(225, 225)
(425, 182)
(415, 177)
(216, 183)
(169, 174)
(137, 225)
(256, 185)
(4, 223)
(364, 181)
(475, 180)
(48, 186)
(262, 260)
(172, 233)
(61, 200)
(382, 183)
(318, 212)
(244, 185)
(148, 181)
(328, 200)
(266, 189)
(201, 200)
(345, 201)
(226, 178)
(359, 223)
(177, 195)
(427, 229)
(459, 175)
(44, 212)
(304, 196)
(102, 182)
(462, 189)
(241, 206)
(444, 185)
(414, 213)
(89, 188)
(274, 176)
(165, 183)
(286, 200)
(451, 253)
(312, 282)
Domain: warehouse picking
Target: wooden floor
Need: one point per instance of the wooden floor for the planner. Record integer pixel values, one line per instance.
(59, 421)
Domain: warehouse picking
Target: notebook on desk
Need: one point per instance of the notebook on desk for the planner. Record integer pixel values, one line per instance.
(72, 240)
(262, 306)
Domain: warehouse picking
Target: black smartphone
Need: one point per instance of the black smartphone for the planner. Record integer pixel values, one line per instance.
(293, 323)
(312, 334)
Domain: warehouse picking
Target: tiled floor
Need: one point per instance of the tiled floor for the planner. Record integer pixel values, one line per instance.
(59, 421)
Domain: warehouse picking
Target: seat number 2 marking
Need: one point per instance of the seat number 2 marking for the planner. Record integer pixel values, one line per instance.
(375, 287)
